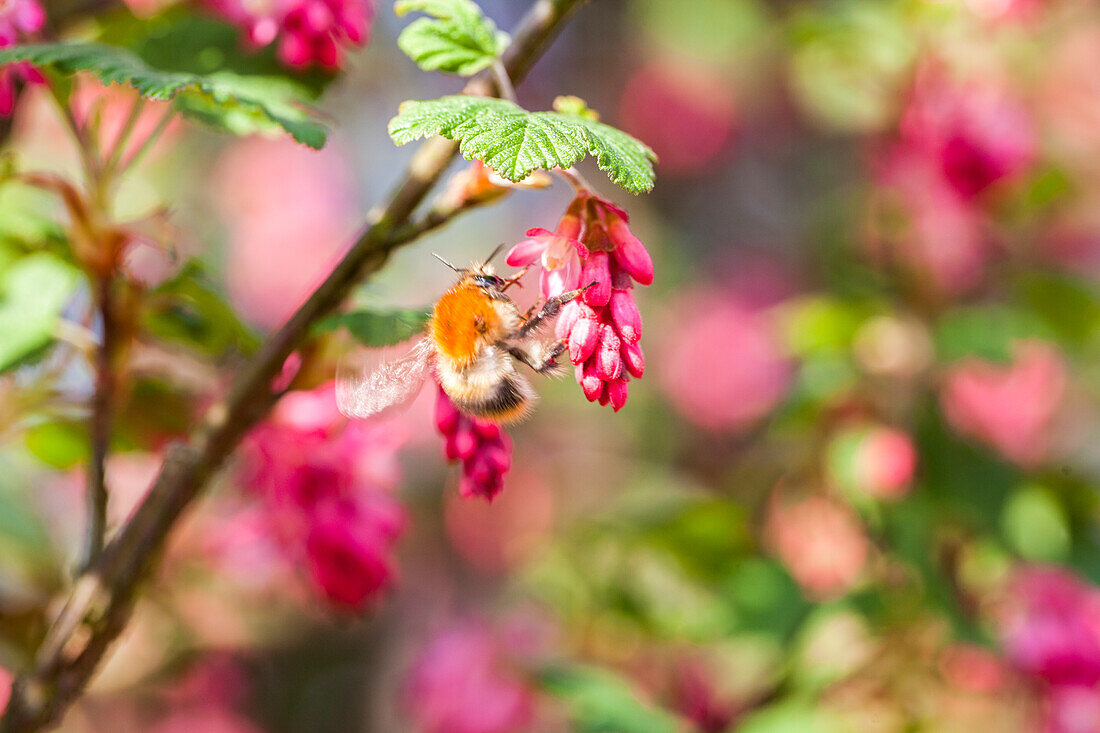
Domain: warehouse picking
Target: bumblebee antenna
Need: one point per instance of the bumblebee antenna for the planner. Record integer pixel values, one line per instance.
(448, 264)
(494, 253)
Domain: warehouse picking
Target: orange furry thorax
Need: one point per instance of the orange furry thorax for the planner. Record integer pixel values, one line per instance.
(460, 319)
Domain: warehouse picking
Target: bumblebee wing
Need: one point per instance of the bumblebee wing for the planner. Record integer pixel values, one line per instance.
(363, 391)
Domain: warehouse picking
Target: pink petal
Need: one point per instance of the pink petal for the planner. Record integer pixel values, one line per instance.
(525, 252)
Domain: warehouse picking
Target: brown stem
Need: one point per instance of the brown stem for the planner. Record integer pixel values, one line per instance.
(100, 424)
(100, 601)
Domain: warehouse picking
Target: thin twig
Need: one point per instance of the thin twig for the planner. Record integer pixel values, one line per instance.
(100, 427)
(504, 82)
(99, 605)
(119, 145)
(574, 178)
(147, 144)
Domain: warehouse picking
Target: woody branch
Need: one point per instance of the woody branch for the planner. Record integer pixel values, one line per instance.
(101, 599)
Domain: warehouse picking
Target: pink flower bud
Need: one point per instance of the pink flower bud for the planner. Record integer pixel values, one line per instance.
(583, 339)
(466, 441)
(596, 270)
(629, 251)
(633, 359)
(605, 397)
(446, 415)
(488, 432)
(609, 364)
(569, 315)
(498, 458)
(617, 392)
(626, 316)
(450, 446)
(591, 384)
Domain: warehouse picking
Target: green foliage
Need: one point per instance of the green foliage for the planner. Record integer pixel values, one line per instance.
(377, 327)
(179, 39)
(602, 702)
(33, 291)
(461, 40)
(1036, 526)
(515, 142)
(228, 101)
(187, 310)
(988, 332)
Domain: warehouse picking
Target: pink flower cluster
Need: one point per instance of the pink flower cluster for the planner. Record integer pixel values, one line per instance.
(308, 31)
(1051, 629)
(593, 246)
(482, 446)
(955, 143)
(18, 18)
(1009, 407)
(323, 482)
(461, 683)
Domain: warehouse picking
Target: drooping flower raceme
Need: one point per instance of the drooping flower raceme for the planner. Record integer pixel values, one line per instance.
(323, 482)
(594, 247)
(482, 446)
(308, 31)
(18, 18)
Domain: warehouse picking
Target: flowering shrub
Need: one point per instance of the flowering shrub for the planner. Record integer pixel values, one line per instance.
(833, 267)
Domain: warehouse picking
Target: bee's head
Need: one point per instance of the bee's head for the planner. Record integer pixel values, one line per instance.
(480, 274)
(483, 276)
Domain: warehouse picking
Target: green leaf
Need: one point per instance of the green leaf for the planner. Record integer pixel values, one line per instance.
(377, 327)
(33, 291)
(234, 103)
(1036, 526)
(189, 310)
(515, 142)
(602, 702)
(461, 40)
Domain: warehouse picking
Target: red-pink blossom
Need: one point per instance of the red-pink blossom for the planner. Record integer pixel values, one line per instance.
(593, 248)
(723, 367)
(462, 682)
(307, 31)
(18, 19)
(1009, 407)
(940, 236)
(978, 133)
(323, 483)
(483, 448)
(820, 542)
(1051, 626)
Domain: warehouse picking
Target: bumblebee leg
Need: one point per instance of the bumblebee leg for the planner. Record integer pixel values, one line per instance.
(550, 308)
(544, 362)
